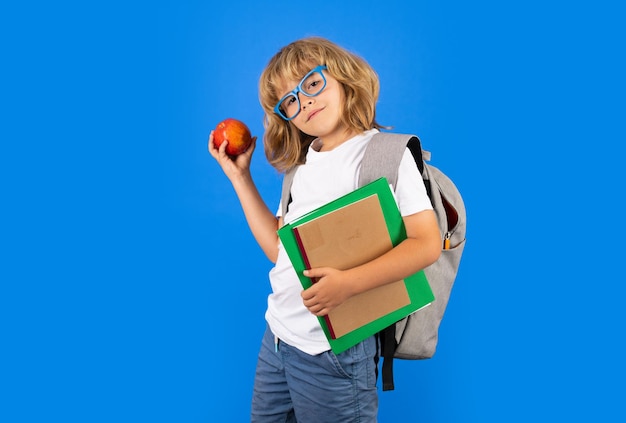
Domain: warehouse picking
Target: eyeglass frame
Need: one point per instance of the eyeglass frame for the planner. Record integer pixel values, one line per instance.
(299, 89)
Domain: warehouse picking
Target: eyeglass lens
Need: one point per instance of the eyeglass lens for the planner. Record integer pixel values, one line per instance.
(311, 86)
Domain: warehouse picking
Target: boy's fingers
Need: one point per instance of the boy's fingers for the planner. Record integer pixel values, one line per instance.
(253, 144)
(211, 146)
(315, 273)
(222, 149)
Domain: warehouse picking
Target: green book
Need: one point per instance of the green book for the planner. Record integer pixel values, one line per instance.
(344, 233)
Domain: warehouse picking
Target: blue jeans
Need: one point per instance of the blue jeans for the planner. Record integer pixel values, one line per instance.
(292, 386)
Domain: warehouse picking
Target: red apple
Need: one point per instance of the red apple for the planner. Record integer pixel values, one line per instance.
(236, 133)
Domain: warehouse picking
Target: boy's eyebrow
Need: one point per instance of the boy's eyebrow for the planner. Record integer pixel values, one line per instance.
(286, 87)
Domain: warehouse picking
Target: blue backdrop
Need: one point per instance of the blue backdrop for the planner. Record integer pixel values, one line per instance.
(131, 289)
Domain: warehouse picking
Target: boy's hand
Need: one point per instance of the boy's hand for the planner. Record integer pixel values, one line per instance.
(330, 290)
(232, 166)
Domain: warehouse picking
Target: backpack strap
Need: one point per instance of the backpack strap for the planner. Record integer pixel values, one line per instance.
(285, 198)
(383, 155)
(388, 346)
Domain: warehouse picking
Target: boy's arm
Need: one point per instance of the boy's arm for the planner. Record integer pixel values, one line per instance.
(421, 248)
(262, 222)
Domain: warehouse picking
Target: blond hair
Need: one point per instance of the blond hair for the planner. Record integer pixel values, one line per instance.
(285, 145)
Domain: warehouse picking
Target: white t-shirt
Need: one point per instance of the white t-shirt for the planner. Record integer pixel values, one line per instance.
(324, 177)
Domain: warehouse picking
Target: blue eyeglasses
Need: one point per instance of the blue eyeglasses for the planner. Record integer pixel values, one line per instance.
(311, 85)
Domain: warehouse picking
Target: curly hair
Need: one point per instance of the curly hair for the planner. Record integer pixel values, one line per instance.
(285, 145)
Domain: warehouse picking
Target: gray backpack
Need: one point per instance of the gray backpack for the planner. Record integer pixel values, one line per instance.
(414, 337)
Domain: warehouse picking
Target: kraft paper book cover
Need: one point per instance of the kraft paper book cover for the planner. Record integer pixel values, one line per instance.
(345, 233)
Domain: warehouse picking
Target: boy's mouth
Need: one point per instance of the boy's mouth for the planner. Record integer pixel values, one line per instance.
(313, 114)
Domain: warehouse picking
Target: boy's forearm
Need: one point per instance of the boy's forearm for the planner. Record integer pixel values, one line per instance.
(421, 248)
(405, 259)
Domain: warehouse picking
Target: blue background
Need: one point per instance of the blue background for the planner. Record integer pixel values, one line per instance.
(131, 289)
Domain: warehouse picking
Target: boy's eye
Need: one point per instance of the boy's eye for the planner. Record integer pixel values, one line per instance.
(312, 85)
(289, 103)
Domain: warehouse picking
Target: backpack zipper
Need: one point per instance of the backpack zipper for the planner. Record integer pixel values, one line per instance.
(452, 220)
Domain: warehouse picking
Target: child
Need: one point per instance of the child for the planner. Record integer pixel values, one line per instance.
(319, 101)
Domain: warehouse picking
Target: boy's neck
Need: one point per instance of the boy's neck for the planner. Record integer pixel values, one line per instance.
(331, 142)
